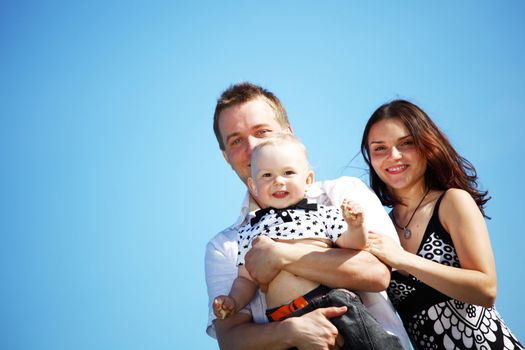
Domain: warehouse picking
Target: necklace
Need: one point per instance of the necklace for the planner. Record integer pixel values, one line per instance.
(406, 231)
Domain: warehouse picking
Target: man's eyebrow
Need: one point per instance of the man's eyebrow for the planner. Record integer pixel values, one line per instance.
(232, 135)
(372, 142)
(260, 126)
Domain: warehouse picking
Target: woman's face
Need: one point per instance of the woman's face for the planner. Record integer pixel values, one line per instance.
(394, 156)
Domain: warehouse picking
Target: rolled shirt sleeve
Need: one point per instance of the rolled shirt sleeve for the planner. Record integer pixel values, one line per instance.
(220, 269)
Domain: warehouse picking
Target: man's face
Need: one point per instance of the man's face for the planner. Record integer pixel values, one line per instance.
(242, 127)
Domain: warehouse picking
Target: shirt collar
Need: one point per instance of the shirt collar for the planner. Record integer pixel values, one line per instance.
(314, 191)
(249, 206)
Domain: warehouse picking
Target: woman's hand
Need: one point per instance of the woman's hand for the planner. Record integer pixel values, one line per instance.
(386, 250)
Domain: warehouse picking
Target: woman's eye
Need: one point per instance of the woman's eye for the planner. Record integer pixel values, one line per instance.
(379, 148)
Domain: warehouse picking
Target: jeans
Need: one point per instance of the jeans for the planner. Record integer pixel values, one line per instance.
(359, 329)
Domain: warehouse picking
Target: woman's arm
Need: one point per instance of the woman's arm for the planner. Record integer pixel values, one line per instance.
(475, 281)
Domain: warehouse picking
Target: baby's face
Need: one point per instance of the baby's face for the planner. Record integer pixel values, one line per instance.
(280, 175)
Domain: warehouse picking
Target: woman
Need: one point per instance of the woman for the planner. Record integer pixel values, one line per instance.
(444, 283)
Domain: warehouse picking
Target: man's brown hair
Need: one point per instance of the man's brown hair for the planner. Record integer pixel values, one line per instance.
(241, 93)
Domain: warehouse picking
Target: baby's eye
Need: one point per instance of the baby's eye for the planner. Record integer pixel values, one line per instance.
(289, 172)
(266, 175)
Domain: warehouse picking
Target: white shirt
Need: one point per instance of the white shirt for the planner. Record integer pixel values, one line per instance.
(222, 250)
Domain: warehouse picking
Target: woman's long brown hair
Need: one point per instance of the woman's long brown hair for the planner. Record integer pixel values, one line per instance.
(445, 167)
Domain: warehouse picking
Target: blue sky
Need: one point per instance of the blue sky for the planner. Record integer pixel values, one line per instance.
(112, 181)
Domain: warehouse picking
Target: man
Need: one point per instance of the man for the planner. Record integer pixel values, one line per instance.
(245, 114)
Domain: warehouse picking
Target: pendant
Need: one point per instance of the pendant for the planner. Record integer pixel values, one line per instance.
(407, 233)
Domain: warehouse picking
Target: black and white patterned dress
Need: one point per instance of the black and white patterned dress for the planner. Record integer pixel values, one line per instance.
(299, 221)
(436, 321)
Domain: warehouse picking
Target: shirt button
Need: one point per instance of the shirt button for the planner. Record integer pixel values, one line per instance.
(272, 211)
(284, 213)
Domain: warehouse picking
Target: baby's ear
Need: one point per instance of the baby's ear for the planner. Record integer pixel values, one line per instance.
(310, 178)
(251, 187)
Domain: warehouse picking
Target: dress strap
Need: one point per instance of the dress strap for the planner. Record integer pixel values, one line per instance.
(435, 212)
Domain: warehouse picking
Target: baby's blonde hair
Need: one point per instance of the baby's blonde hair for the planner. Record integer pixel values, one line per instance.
(279, 139)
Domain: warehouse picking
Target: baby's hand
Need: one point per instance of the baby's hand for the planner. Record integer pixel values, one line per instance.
(223, 306)
(353, 213)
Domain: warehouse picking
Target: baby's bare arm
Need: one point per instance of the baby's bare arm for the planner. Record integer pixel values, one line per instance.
(356, 235)
(242, 292)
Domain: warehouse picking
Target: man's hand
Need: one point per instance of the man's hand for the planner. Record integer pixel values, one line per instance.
(314, 331)
(311, 331)
(263, 261)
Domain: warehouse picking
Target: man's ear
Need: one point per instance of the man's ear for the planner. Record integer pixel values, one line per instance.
(251, 187)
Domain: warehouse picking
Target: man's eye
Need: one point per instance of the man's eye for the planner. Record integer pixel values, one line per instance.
(235, 142)
(262, 132)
